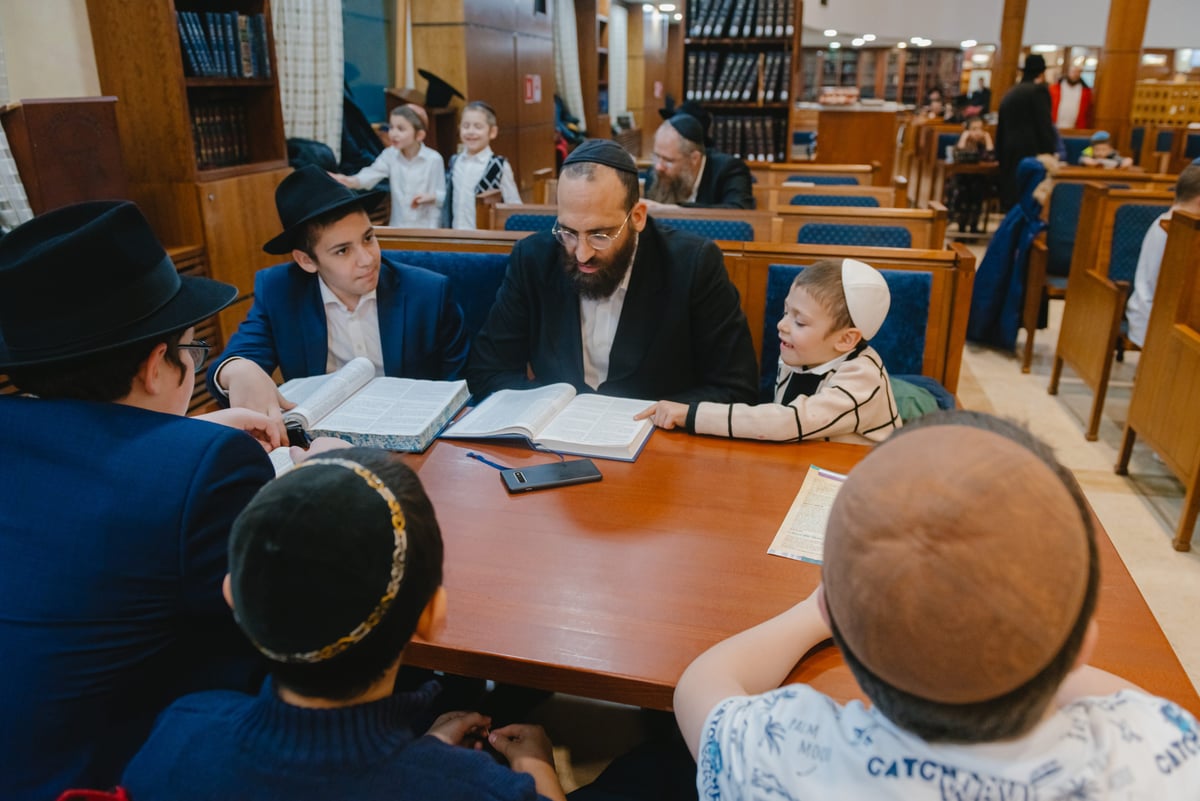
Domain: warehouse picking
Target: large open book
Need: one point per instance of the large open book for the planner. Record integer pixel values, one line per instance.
(400, 414)
(554, 417)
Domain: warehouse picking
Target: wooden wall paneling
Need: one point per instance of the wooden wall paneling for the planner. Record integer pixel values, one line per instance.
(491, 71)
(436, 12)
(500, 14)
(534, 56)
(535, 151)
(173, 210)
(675, 60)
(441, 49)
(655, 60)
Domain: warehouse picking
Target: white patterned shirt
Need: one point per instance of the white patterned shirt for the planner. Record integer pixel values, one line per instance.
(795, 743)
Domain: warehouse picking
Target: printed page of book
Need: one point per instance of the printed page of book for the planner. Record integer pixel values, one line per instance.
(281, 459)
(520, 412)
(802, 535)
(394, 407)
(317, 396)
(598, 425)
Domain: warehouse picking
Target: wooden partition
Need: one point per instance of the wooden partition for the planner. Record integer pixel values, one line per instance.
(1096, 303)
(927, 155)
(1162, 407)
(777, 174)
(1038, 283)
(927, 226)
(778, 197)
(952, 268)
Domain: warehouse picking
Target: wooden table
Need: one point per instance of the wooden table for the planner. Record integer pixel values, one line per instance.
(609, 590)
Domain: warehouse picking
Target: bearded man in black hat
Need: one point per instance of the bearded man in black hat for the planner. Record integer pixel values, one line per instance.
(609, 302)
(337, 299)
(1025, 127)
(115, 509)
(687, 173)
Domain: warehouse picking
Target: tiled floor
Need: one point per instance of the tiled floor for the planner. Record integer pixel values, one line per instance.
(1138, 512)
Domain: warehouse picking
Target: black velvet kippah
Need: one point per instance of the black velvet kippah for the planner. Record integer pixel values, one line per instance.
(310, 559)
(603, 151)
(688, 127)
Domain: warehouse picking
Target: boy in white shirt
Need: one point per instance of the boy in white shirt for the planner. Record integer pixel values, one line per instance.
(831, 384)
(415, 173)
(476, 169)
(960, 579)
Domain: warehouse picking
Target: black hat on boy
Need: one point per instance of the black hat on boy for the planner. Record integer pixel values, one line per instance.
(91, 277)
(307, 194)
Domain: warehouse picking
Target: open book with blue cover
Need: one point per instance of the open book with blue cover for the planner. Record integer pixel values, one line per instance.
(399, 414)
(554, 417)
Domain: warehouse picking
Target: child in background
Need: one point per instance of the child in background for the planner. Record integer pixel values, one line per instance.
(333, 568)
(416, 173)
(967, 192)
(831, 384)
(475, 168)
(1101, 153)
(960, 577)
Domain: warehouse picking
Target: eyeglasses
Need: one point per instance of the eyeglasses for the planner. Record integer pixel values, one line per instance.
(198, 351)
(596, 241)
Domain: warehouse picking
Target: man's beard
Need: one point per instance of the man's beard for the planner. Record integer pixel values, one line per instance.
(613, 264)
(674, 190)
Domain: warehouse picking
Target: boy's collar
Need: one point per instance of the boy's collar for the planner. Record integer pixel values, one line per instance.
(822, 369)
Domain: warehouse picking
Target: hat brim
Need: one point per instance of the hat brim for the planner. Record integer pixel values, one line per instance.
(285, 243)
(196, 300)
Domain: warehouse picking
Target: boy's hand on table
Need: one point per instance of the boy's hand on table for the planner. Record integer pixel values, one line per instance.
(665, 414)
(256, 424)
(463, 728)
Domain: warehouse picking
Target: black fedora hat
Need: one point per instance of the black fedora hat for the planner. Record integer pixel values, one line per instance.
(439, 93)
(91, 277)
(305, 195)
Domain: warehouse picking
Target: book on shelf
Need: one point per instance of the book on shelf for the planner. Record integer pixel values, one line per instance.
(710, 77)
(399, 414)
(554, 417)
(789, 18)
(224, 44)
(785, 77)
(748, 18)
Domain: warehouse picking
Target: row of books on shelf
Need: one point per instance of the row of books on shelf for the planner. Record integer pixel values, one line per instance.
(224, 44)
(741, 18)
(219, 134)
(734, 77)
(757, 137)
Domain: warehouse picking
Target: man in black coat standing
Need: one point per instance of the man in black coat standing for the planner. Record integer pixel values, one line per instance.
(1025, 127)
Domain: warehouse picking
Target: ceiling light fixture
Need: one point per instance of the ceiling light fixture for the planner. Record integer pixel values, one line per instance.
(834, 45)
(667, 7)
(901, 45)
(830, 32)
(857, 42)
(968, 43)
(868, 37)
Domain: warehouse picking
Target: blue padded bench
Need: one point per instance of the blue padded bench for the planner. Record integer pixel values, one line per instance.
(834, 200)
(880, 236)
(474, 278)
(1062, 222)
(529, 222)
(1136, 139)
(732, 230)
(900, 341)
(1129, 229)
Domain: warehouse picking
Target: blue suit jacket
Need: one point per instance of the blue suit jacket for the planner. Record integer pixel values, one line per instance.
(114, 524)
(420, 326)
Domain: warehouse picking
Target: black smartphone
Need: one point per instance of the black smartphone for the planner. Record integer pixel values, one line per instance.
(544, 476)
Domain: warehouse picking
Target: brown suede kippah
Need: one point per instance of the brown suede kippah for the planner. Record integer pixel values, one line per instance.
(603, 151)
(956, 564)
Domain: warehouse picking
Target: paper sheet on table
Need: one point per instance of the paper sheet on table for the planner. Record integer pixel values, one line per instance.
(802, 535)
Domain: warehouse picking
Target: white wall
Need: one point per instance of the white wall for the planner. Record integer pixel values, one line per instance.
(1171, 23)
(48, 49)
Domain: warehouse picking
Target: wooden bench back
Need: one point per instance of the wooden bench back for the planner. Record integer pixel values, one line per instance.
(927, 226)
(765, 224)
(1095, 302)
(779, 197)
(772, 175)
(952, 269)
(1162, 407)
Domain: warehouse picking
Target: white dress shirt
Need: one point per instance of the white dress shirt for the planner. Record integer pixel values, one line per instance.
(423, 175)
(699, 175)
(598, 321)
(351, 333)
(1069, 98)
(468, 171)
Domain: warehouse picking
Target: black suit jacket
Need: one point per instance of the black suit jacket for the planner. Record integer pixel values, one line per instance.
(1025, 129)
(682, 334)
(724, 184)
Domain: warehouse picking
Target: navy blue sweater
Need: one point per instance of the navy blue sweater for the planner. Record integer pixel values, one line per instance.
(226, 745)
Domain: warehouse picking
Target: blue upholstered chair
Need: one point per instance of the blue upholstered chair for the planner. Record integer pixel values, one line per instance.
(805, 142)
(946, 140)
(1092, 324)
(474, 278)
(900, 341)
(821, 180)
(733, 230)
(834, 200)
(529, 222)
(880, 236)
(1062, 221)
(1074, 146)
(1137, 138)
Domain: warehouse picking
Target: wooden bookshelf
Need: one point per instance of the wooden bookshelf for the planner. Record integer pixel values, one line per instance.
(203, 152)
(591, 24)
(902, 75)
(740, 63)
